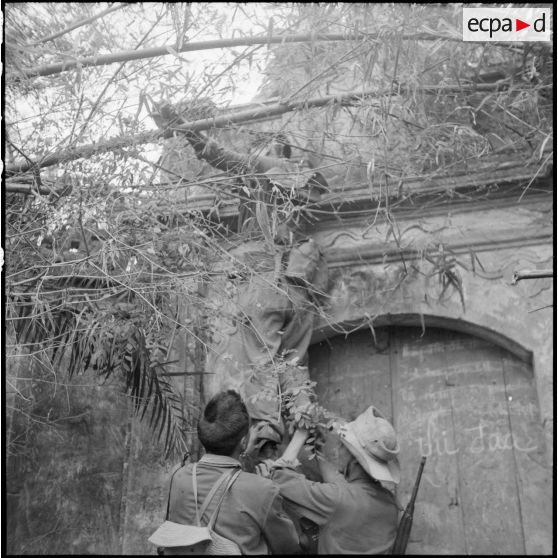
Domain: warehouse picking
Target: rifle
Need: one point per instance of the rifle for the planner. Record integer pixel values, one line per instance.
(406, 522)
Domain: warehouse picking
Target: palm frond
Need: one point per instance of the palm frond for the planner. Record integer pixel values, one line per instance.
(89, 339)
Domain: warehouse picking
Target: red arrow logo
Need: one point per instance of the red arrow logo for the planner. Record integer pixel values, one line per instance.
(519, 25)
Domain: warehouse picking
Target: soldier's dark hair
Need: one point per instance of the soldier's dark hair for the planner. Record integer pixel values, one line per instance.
(224, 422)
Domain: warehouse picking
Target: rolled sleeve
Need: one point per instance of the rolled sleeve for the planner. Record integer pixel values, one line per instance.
(278, 529)
(316, 501)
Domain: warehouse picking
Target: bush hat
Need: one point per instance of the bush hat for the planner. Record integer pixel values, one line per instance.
(372, 440)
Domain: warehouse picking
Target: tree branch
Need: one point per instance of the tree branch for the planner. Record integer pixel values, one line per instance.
(223, 121)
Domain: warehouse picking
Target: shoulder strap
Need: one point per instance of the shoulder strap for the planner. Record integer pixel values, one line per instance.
(230, 475)
(195, 488)
(209, 496)
(231, 478)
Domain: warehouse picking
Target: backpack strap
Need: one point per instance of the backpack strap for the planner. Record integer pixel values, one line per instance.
(232, 476)
(209, 496)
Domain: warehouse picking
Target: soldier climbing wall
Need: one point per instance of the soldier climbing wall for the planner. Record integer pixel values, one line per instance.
(262, 336)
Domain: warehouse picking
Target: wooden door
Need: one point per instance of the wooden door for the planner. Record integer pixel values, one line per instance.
(471, 408)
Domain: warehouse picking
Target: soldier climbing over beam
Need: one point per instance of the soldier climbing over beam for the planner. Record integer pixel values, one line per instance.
(261, 349)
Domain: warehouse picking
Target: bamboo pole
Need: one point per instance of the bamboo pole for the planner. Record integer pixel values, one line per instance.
(128, 55)
(27, 189)
(244, 116)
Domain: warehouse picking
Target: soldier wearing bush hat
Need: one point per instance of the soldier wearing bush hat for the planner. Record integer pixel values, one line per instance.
(371, 439)
(354, 506)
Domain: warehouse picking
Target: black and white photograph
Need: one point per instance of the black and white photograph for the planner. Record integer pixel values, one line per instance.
(278, 278)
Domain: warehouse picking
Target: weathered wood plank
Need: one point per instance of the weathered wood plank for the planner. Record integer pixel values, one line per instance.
(487, 478)
(533, 477)
(353, 373)
(468, 405)
(424, 426)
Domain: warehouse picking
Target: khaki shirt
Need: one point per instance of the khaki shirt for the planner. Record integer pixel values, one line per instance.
(251, 515)
(356, 514)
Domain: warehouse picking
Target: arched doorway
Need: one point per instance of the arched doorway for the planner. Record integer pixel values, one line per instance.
(471, 407)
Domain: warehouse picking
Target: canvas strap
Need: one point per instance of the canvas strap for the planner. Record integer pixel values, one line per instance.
(207, 498)
(221, 480)
(231, 478)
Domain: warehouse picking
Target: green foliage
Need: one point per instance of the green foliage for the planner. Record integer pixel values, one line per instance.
(299, 406)
(311, 416)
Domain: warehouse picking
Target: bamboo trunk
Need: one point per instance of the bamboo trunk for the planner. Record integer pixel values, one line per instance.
(128, 55)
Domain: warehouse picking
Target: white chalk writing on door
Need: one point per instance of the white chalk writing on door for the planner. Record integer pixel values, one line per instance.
(440, 442)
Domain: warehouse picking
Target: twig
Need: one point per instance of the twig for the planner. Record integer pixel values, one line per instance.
(542, 167)
(541, 308)
(333, 65)
(110, 80)
(80, 221)
(77, 24)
